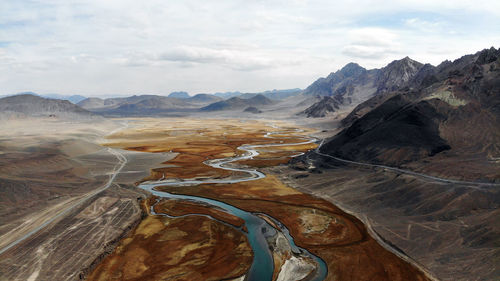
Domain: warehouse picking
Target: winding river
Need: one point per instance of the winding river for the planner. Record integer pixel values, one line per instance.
(258, 229)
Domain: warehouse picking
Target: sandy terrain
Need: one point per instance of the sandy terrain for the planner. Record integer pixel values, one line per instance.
(59, 192)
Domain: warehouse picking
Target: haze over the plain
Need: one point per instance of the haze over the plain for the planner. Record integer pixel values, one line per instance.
(99, 48)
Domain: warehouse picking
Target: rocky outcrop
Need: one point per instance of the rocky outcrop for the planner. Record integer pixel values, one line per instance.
(322, 108)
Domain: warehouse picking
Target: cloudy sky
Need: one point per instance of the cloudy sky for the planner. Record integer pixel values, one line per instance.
(120, 47)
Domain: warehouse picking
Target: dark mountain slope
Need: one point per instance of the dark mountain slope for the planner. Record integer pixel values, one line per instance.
(394, 133)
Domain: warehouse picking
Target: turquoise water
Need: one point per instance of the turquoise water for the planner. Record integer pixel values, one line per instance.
(258, 229)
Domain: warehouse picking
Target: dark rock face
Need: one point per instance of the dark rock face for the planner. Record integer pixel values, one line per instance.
(488, 56)
(395, 125)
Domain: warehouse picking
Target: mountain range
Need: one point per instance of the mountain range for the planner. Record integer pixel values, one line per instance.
(354, 84)
(436, 115)
(420, 162)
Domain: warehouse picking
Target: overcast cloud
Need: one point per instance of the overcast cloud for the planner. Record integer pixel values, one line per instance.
(121, 47)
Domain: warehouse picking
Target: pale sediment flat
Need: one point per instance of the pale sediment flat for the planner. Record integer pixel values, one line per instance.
(65, 202)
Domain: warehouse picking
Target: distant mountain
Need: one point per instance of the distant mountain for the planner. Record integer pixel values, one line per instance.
(28, 105)
(72, 98)
(272, 94)
(252, 109)
(455, 117)
(204, 98)
(179, 95)
(238, 103)
(142, 105)
(355, 84)
(227, 95)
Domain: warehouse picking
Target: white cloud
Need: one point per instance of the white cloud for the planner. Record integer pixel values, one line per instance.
(372, 43)
(234, 59)
(105, 47)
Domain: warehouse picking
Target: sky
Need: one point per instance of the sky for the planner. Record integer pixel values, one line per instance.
(125, 47)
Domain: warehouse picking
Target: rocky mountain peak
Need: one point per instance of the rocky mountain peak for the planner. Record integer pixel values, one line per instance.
(352, 69)
(488, 55)
(405, 62)
(397, 74)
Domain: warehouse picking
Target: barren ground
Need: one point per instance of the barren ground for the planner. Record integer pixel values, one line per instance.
(452, 230)
(47, 167)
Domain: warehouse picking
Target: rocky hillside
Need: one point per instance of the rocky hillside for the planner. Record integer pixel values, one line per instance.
(449, 124)
(322, 108)
(27, 105)
(354, 84)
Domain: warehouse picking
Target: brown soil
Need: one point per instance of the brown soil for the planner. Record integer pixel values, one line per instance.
(339, 239)
(174, 207)
(189, 248)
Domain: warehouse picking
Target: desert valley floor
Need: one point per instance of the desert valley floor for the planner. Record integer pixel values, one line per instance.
(212, 216)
